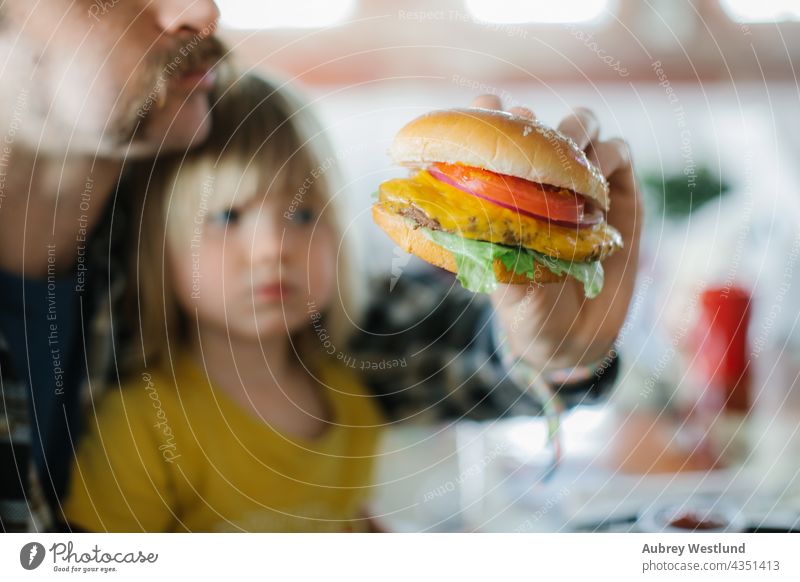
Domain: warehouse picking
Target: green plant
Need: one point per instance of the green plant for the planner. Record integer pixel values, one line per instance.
(676, 196)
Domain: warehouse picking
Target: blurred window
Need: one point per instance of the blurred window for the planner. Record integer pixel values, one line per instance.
(538, 11)
(259, 14)
(762, 10)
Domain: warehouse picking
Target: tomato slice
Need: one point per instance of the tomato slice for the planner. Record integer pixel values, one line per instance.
(524, 196)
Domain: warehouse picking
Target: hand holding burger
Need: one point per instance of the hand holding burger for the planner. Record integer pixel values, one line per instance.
(510, 205)
(561, 329)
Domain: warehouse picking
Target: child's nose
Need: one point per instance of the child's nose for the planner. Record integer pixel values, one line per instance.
(266, 242)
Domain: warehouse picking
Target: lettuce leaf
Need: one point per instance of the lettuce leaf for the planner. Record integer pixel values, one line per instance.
(475, 263)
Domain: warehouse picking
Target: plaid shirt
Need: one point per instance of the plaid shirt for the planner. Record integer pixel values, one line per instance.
(427, 350)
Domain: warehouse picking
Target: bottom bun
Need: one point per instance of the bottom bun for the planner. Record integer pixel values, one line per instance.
(414, 241)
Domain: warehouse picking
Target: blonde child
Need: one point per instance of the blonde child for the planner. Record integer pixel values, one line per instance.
(237, 418)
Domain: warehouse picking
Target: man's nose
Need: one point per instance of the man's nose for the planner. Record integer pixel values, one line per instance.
(198, 17)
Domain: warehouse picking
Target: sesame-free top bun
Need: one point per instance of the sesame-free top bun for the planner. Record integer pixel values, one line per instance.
(413, 240)
(503, 143)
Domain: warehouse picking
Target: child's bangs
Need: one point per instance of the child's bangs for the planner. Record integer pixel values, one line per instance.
(292, 177)
(235, 181)
(203, 185)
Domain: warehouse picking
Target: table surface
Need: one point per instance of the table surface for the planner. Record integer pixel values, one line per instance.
(617, 463)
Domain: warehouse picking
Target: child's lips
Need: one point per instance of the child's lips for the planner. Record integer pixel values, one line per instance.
(272, 291)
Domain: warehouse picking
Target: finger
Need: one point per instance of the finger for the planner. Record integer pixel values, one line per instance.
(581, 125)
(487, 101)
(614, 160)
(610, 156)
(522, 112)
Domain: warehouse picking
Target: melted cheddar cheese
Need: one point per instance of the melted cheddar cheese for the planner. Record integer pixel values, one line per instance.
(471, 217)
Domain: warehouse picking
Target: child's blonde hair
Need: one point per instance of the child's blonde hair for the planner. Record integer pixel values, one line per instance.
(262, 137)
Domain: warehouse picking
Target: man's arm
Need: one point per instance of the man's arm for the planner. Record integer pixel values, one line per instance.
(429, 350)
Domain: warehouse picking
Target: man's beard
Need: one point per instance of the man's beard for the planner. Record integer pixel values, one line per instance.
(135, 118)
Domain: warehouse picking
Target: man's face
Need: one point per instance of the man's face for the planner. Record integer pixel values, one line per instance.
(108, 77)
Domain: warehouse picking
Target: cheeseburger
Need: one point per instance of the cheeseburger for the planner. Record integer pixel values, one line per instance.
(497, 198)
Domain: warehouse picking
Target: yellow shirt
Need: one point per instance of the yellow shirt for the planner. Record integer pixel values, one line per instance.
(171, 453)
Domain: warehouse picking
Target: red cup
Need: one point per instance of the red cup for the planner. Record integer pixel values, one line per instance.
(720, 340)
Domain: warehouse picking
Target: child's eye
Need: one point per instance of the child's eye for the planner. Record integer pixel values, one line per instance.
(303, 216)
(227, 216)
